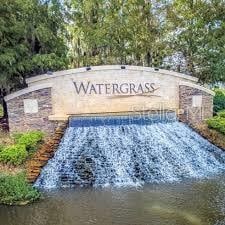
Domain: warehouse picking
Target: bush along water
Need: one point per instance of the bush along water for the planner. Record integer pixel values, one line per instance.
(15, 190)
(31, 139)
(15, 154)
(24, 144)
(219, 100)
(218, 122)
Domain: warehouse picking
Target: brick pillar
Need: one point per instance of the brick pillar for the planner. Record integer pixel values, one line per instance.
(196, 105)
(21, 121)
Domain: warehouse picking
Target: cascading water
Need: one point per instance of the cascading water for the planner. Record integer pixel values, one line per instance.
(129, 151)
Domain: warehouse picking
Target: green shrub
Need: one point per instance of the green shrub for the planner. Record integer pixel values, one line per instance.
(14, 154)
(219, 100)
(30, 139)
(217, 123)
(14, 189)
(221, 113)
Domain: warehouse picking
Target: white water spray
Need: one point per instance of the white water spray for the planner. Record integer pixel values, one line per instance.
(130, 155)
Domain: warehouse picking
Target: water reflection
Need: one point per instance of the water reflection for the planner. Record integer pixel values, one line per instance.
(188, 203)
(167, 212)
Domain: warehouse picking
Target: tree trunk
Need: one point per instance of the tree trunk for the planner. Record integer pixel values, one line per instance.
(4, 125)
(3, 93)
(149, 59)
(5, 111)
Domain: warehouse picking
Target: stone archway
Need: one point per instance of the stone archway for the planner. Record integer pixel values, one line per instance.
(51, 98)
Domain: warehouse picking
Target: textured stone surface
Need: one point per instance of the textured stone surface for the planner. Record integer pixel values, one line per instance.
(67, 101)
(46, 152)
(194, 115)
(56, 97)
(19, 121)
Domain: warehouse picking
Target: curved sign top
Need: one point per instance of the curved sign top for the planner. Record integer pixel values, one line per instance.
(105, 89)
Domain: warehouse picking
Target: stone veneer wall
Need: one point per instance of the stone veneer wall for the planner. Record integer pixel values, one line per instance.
(19, 121)
(44, 153)
(190, 114)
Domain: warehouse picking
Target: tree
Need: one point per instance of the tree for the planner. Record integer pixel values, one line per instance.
(197, 33)
(35, 36)
(114, 32)
(32, 40)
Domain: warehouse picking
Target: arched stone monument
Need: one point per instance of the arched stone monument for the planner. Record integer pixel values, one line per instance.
(52, 98)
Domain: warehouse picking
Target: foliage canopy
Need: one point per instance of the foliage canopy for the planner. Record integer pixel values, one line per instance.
(31, 40)
(40, 35)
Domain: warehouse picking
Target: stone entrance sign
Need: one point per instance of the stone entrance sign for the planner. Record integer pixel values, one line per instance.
(51, 98)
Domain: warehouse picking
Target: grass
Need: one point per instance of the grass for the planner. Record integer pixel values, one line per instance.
(6, 140)
(13, 154)
(16, 149)
(15, 190)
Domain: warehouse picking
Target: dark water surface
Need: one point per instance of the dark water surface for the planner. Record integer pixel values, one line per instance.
(190, 202)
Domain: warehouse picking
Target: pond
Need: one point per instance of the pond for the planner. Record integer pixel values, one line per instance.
(198, 202)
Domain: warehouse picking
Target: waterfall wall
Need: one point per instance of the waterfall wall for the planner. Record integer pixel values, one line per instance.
(130, 150)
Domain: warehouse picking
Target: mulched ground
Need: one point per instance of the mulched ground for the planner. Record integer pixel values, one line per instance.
(211, 135)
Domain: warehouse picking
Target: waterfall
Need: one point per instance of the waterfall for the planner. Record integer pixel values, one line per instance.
(121, 151)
